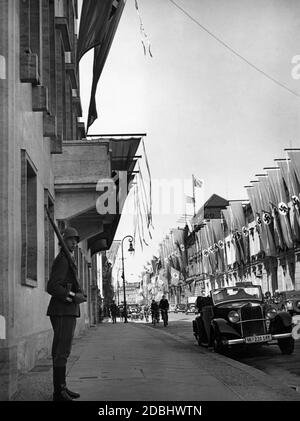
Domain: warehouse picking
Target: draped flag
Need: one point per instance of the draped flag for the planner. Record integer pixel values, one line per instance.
(219, 248)
(205, 252)
(94, 19)
(179, 241)
(230, 251)
(98, 24)
(258, 200)
(238, 222)
(265, 198)
(197, 182)
(295, 163)
(199, 247)
(189, 199)
(255, 242)
(175, 251)
(290, 179)
(210, 241)
(175, 277)
(144, 36)
(276, 182)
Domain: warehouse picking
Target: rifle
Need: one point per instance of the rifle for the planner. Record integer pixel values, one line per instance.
(63, 245)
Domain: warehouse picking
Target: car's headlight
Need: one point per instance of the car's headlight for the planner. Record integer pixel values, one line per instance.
(233, 316)
(271, 313)
(297, 304)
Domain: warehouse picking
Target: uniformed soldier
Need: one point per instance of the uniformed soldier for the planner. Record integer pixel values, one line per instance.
(63, 310)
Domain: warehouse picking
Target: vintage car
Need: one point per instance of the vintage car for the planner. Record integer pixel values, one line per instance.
(239, 316)
(191, 309)
(134, 312)
(180, 308)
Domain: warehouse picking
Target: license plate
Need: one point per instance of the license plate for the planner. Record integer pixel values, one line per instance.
(259, 338)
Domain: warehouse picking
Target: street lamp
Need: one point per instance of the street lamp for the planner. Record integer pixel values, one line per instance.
(131, 249)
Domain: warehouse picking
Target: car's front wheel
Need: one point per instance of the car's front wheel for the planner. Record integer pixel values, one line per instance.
(286, 345)
(217, 343)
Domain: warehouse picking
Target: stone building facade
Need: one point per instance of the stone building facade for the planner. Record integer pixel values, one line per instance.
(46, 160)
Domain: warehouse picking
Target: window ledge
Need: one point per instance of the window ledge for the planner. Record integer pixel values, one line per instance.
(62, 24)
(39, 98)
(70, 69)
(29, 68)
(30, 283)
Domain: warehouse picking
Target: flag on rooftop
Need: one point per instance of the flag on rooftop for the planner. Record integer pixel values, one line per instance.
(197, 182)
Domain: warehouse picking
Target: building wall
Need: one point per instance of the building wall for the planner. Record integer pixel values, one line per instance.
(28, 332)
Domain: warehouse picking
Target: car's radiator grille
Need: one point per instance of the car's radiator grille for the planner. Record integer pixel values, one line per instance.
(252, 325)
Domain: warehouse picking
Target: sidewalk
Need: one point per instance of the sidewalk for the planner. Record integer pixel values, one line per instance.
(135, 362)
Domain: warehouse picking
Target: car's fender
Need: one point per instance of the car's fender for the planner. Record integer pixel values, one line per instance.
(224, 327)
(285, 317)
(197, 322)
(282, 322)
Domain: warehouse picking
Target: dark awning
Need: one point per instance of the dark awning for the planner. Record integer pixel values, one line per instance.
(123, 152)
(123, 158)
(104, 240)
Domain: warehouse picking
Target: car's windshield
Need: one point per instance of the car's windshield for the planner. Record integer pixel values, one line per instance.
(236, 293)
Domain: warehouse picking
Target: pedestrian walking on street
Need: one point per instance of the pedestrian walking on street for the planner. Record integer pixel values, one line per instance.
(113, 311)
(121, 312)
(154, 312)
(164, 307)
(63, 310)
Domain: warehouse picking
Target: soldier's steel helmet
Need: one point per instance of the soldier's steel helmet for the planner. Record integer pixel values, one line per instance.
(70, 232)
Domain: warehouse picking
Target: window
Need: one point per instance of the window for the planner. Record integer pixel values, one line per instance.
(48, 236)
(28, 221)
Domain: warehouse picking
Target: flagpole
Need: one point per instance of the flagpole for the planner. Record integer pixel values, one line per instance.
(194, 201)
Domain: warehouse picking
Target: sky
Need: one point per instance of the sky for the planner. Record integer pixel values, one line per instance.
(205, 110)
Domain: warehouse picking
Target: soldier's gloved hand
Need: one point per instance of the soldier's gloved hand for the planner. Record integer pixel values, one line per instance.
(79, 298)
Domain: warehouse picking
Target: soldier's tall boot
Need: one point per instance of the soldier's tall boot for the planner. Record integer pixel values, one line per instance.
(73, 395)
(60, 393)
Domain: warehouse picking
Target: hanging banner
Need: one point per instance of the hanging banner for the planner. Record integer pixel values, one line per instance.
(295, 164)
(175, 277)
(276, 183)
(218, 235)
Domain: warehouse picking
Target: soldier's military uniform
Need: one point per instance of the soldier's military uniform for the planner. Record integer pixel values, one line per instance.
(63, 311)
